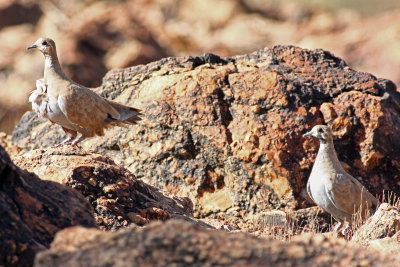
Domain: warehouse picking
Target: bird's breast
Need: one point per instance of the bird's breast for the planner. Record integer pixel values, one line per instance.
(55, 114)
(318, 184)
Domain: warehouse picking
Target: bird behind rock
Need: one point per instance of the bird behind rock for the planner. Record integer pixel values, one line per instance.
(74, 107)
(332, 188)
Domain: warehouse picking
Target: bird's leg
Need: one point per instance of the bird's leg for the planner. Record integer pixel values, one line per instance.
(71, 136)
(68, 140)
(76, 141)
(65, 142)
(338, 226)
(346, 229)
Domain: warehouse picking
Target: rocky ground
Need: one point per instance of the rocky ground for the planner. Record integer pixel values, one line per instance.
(33, 211)
(219, 150)
(177, 243)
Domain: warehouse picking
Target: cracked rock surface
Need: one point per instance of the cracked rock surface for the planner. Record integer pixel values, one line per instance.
(224, 132)
(177, 243)
(32, 211)
(117, 197)
(227, 132)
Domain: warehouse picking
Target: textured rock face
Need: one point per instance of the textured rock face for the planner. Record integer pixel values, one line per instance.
(177, 243)
(13, 13)
(227, 132)
(387, 244)
(384, 223)
(115, 194)
(32, 211)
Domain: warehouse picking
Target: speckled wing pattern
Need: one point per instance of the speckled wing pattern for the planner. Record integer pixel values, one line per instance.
(86, 109)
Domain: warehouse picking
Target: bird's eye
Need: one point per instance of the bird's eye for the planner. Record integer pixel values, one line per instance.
(45, 43)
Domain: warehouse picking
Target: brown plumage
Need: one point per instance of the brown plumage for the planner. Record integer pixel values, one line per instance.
(73, 106)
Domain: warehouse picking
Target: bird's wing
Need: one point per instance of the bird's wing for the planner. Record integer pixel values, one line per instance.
(127, 114)
(41, 86)
(85, 108)
(39, 100)
(348, 194)
(309, 191)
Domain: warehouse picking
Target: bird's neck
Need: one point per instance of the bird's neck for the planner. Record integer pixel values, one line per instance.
(327, 156)
(52, 69)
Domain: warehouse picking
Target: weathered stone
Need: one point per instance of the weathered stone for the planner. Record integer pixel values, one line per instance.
(178, 243)
(200, 135)
(115, 194)
(5, 142)
(387, 244)
(384, 223)
(283, 225)
(18, 12)
(33, 211)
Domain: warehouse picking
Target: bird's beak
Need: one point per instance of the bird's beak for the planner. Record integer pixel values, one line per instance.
(307, 134)
(32, 46)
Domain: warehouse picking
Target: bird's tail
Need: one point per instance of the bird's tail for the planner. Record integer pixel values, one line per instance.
(127, 114)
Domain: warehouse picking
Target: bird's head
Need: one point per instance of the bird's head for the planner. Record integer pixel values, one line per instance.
(45, 45)
(322, 132)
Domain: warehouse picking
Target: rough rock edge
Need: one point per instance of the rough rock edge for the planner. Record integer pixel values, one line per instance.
(181, 243)
(33, 211)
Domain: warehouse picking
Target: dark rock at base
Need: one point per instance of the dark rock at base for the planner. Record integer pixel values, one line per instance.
(32, 211)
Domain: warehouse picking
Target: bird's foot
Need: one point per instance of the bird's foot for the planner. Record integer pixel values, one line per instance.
(338, 226)
(58, 145)
(345, 231)
(66, 141)
(77, 141)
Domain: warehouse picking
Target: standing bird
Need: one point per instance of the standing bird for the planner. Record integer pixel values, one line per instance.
(73, 106)
(332, 188)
